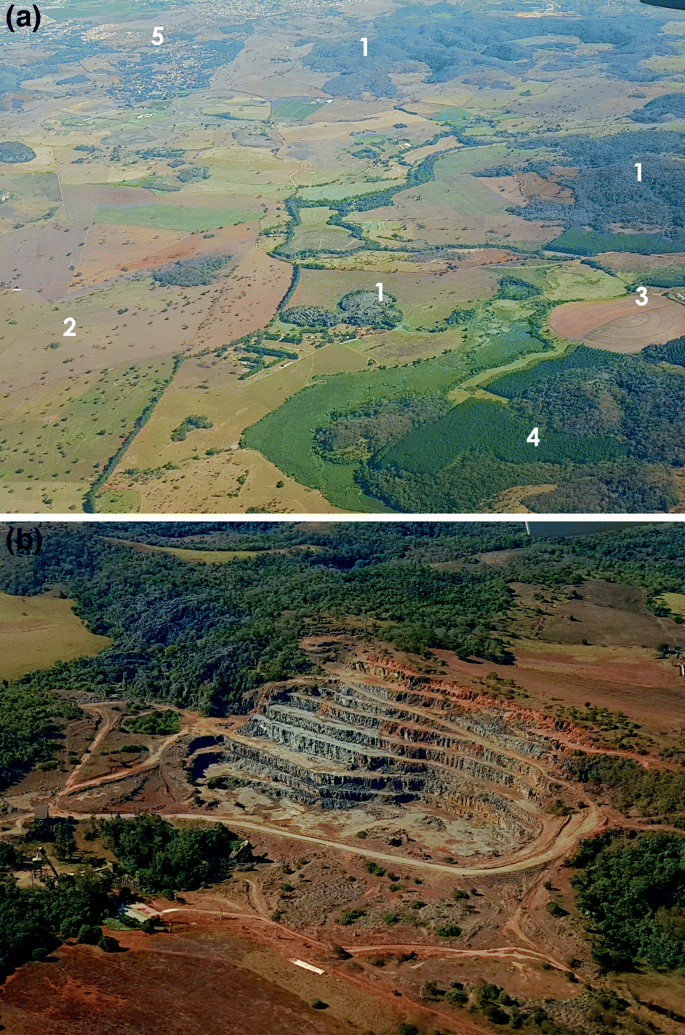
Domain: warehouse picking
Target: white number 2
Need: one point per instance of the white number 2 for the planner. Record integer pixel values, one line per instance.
(70, 333)
(157, 38)
(534, 437)
(642, 300)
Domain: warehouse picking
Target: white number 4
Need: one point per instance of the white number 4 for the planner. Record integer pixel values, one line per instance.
(534, 437)
(157, 38)
(642, 300)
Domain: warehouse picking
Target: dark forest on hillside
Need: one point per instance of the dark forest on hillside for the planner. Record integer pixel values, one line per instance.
(205, 636)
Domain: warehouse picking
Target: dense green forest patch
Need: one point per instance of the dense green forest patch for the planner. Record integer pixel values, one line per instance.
(33, 920)
(163, 857)
(494, 431)
(191, 272)
(632, 889)
(657, 793)
(156, 724)
(594, 393)
(611, 427)
(608, 196)
(13, 151)
(28, 727)
(196, 636)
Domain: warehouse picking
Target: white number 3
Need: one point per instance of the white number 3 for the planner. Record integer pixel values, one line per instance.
(157, 38)
(642, 300)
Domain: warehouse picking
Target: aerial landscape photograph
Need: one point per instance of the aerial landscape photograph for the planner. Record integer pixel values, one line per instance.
(379, 778)
(377, 257)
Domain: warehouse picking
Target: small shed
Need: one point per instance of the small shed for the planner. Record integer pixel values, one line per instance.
(141, 912)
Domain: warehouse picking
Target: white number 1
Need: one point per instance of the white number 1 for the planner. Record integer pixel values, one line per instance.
(380, 291)
(642, 300)
(638, 166)
(534, 437)
(364, 40)
(157, 38)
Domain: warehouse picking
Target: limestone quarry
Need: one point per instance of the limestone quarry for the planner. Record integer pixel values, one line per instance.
(390, 757)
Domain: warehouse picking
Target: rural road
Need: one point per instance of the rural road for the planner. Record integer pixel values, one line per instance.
(557, 843)
(423, 951)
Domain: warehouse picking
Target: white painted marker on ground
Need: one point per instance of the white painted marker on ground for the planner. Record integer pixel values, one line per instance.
(308, 966)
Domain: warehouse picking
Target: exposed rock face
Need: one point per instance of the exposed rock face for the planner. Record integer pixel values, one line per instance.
(343, 743)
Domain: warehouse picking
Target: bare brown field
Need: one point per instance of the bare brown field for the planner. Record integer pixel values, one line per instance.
(631, 262)
(617, 668)
(422, 297)
(605, 613)
(225, 977)
(36, 632)
(521, 187)
(426, 208)
(512, 501)
(620, 325)
(247, 300)
(106, 255)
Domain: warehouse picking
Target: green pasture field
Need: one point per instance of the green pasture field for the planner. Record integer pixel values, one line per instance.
(675, 601)
(454, 116)
(318, 216)
(174, 217)
(471, 159)
(239, 112)
(508, 345)
(315, 233)
(491, 429)
(32, 187)
(575, 282)
(319, 238)
(293, 109)
(117, 501)
(39, 631)
(463, 192)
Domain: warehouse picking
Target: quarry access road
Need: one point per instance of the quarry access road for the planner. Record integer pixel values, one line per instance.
(556, 844)
(108, 721)
(504, 952)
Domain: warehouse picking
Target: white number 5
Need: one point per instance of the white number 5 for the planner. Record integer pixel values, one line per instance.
(642, 300)
(157, 38)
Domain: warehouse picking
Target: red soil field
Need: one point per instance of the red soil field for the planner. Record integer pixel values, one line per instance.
(201, 981)
(619, 325)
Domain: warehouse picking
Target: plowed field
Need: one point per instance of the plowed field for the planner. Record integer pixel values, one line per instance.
(620, 325)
